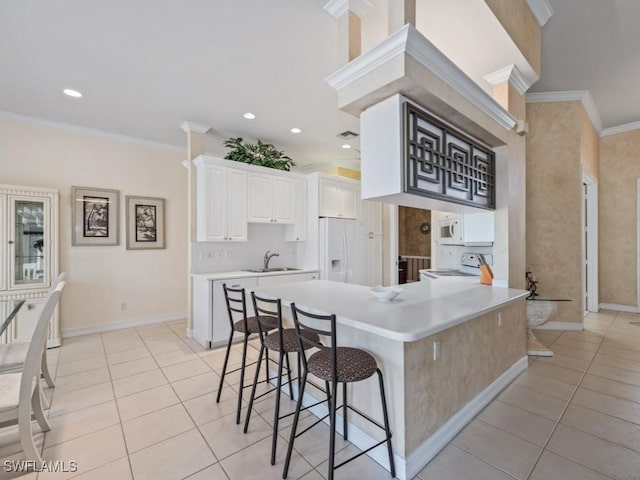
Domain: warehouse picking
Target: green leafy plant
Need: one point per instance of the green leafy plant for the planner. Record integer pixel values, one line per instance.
(263, 154)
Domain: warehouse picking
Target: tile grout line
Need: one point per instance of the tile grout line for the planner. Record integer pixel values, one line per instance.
(544, 448)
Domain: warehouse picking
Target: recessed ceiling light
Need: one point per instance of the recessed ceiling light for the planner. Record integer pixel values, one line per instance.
(249, 116)
(295, 130)
(72, 93)
(346, 145)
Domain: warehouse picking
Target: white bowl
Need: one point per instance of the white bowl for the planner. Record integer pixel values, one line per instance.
(385, 294)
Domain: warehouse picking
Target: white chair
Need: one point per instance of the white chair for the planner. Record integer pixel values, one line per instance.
(13, 355)
(20, 393)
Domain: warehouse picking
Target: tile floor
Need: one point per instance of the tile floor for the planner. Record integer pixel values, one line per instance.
(140, 404)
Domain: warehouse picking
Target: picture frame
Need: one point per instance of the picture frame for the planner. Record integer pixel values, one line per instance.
(95, 216)
(145, 223)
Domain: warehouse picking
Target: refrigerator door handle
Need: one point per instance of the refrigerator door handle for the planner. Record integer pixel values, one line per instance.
(346, 257)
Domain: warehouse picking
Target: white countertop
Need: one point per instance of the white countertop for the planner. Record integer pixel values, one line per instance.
(422, 309)
(245, 274)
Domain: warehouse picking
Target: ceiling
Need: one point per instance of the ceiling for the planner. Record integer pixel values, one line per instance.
(146, 66)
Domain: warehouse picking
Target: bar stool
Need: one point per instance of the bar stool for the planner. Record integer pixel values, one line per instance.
(237, 305)
(335, 365)
(284, 341)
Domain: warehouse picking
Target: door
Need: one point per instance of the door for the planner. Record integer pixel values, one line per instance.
(355, 247)
(372, 216)
(373, 263)
(260, 198)
(29, 242)
(332, 249)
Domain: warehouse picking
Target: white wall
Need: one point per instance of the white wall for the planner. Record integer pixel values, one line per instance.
(99, 279)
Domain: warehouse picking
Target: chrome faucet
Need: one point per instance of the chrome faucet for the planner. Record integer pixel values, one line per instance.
(268, 256)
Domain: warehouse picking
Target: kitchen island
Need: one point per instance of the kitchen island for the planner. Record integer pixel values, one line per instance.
(446, 348)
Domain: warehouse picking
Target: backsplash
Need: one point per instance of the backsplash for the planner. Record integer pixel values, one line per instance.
(448, 256)
(214, 257)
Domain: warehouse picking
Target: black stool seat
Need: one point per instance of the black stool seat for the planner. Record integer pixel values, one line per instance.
(352, 364)
(289, 340)
(255, 323)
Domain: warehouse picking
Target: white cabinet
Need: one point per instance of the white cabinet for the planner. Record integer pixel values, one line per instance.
(271, 199)
(298, 231)
(222, 203)
(371, 217)
(338, 197)
(211, 325)
(373, 258)
(478, 228)
(28, 255)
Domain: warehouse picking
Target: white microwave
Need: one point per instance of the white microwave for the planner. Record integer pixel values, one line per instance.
(450, 230)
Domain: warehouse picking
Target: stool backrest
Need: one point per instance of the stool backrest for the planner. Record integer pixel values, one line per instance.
(268, 307)
(323, 325)
(236, 300)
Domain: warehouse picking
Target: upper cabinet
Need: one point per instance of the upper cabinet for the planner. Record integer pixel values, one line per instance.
(221, 203)
(271, 199)
(230, 195)
(28, 221)
(338, 197)
(478, 228)
(472, 229)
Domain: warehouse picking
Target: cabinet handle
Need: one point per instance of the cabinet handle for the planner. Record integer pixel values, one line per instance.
(10, 242)
(275, 220)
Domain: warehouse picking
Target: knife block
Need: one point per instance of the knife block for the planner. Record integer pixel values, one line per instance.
(486, 275)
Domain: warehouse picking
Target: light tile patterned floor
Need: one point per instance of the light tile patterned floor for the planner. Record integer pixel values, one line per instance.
(140, 404)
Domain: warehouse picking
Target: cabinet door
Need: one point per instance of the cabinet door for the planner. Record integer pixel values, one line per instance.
(283, 200)
(236, 205)
(349, 197)
(3, 242)
(25, 322)
(260, 198)
(478, 227)
(212, 204)
(373, 254)
(330, 202)
(221, 326)
(298, 231)
(371, 214)
(29, 242)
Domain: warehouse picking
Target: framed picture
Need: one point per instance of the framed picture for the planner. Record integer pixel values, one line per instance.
(145, 222)
(95, 216)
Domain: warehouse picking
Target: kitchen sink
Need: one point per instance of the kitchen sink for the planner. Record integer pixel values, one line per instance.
(274, 269)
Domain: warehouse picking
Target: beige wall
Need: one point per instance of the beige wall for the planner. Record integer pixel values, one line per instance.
(619, 169)
(561, 141)
(411, 241)
(522, 27)
(99, 279)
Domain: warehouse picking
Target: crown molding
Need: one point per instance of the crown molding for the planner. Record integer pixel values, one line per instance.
(4, 115)
(541, 10)
(513, 75)
(626, 127)
(337, 8)
(193, 127)
(408, 40)
(583, 96)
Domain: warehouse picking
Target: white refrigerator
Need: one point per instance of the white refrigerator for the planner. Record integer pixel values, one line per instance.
(342, 250)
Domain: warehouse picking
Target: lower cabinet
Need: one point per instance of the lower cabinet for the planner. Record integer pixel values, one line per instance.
(211, 326)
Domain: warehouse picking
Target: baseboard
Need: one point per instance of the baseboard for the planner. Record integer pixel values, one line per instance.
(429, 449)
(408, 468)
(573, 326)
(619, 308)
(107, 327)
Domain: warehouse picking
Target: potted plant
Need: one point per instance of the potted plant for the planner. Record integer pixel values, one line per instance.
(263, 154)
